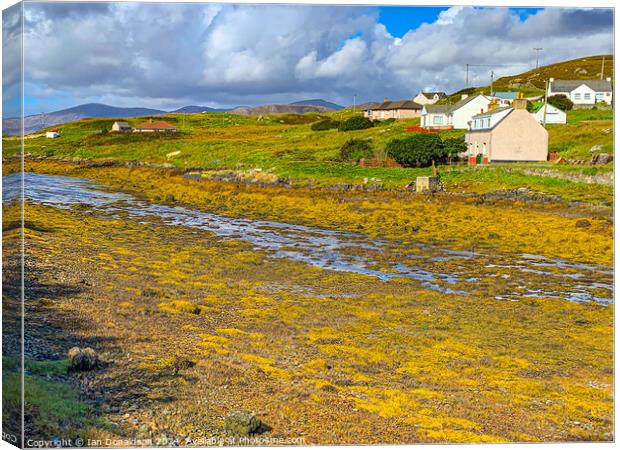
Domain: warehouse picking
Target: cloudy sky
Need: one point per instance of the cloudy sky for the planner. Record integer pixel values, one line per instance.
(171, 55)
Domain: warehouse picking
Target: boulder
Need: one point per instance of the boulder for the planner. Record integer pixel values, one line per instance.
(242, 423)
(596, 148)
(601, 159)
(582, 223)
(82, 359)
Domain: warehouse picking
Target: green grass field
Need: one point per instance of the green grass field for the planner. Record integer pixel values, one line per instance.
(285, 147)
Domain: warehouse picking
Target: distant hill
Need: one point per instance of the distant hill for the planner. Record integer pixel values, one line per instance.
(279, 109)
(319, 102)
(197, 109)
(368, 105)
(86, 111)
(587, 68)
(89, 111)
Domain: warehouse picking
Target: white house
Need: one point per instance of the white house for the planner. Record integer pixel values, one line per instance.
(582, 92)
(121, 126)
(454, 116)
(436, 116)
(428, 98)
(52, 134)
(553, 115)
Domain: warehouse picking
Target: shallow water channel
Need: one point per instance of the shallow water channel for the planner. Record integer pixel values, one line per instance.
(505, 277)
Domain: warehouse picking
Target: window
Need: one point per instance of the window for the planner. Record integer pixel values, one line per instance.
(488, 122)
(437, 120)
(586, 96)
(577, 96)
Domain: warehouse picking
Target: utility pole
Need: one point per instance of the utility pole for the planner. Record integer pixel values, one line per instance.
(603, 67)
(466, 75)
(354, 98)
(545, 105)
(537, 50)
(492, 75)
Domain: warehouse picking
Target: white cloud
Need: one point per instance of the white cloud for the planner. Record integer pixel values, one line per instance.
(173, 54)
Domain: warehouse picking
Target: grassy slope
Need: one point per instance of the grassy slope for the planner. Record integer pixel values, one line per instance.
(575, 69)
(533, 81)
(287, 147)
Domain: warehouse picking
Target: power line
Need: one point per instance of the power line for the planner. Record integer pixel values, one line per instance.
(467, 66)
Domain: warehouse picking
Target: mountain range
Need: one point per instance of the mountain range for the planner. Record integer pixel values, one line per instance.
(12, 126)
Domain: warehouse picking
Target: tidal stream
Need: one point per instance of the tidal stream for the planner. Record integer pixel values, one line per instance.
(505, 277)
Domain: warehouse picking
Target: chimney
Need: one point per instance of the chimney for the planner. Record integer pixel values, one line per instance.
(551, 80)
(464, 96)
(493, 104)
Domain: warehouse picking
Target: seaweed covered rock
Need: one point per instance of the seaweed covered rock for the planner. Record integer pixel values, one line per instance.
(82, 359)
(242, 423)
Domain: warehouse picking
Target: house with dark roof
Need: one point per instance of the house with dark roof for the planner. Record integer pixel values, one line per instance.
(121, 126)
(428, 98)
(454, 116)
(582, 92)
(397, 109)
(154, 126)
(506, 134)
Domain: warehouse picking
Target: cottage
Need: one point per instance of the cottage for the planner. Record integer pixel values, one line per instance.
(506, 134)
(52, 134)
(121, 127)
(454, 116)
(428, 98)
(398, 109)
(582, 92)
(155, 126)
(551, 115)
(436, 116)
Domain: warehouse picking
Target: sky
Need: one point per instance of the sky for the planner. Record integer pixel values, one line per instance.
(223, 55)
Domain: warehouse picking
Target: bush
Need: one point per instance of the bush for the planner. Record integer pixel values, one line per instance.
(355, 149)
(418, 150)
(453, 146)
(389, 121)
(560, 101)
(355, 123)
(324, 125)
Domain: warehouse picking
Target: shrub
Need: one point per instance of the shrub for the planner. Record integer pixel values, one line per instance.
(389, 121)
(454, 146)
(355, 149)
(560, 101)
(417, 150)
(324, 125)
(355, 123)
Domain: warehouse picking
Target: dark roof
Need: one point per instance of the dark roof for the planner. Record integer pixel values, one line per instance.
(150, 125)
(430, 95)
(463, 102)
(399, 104)
(493, 111)
(440, 109)
(569, 85)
